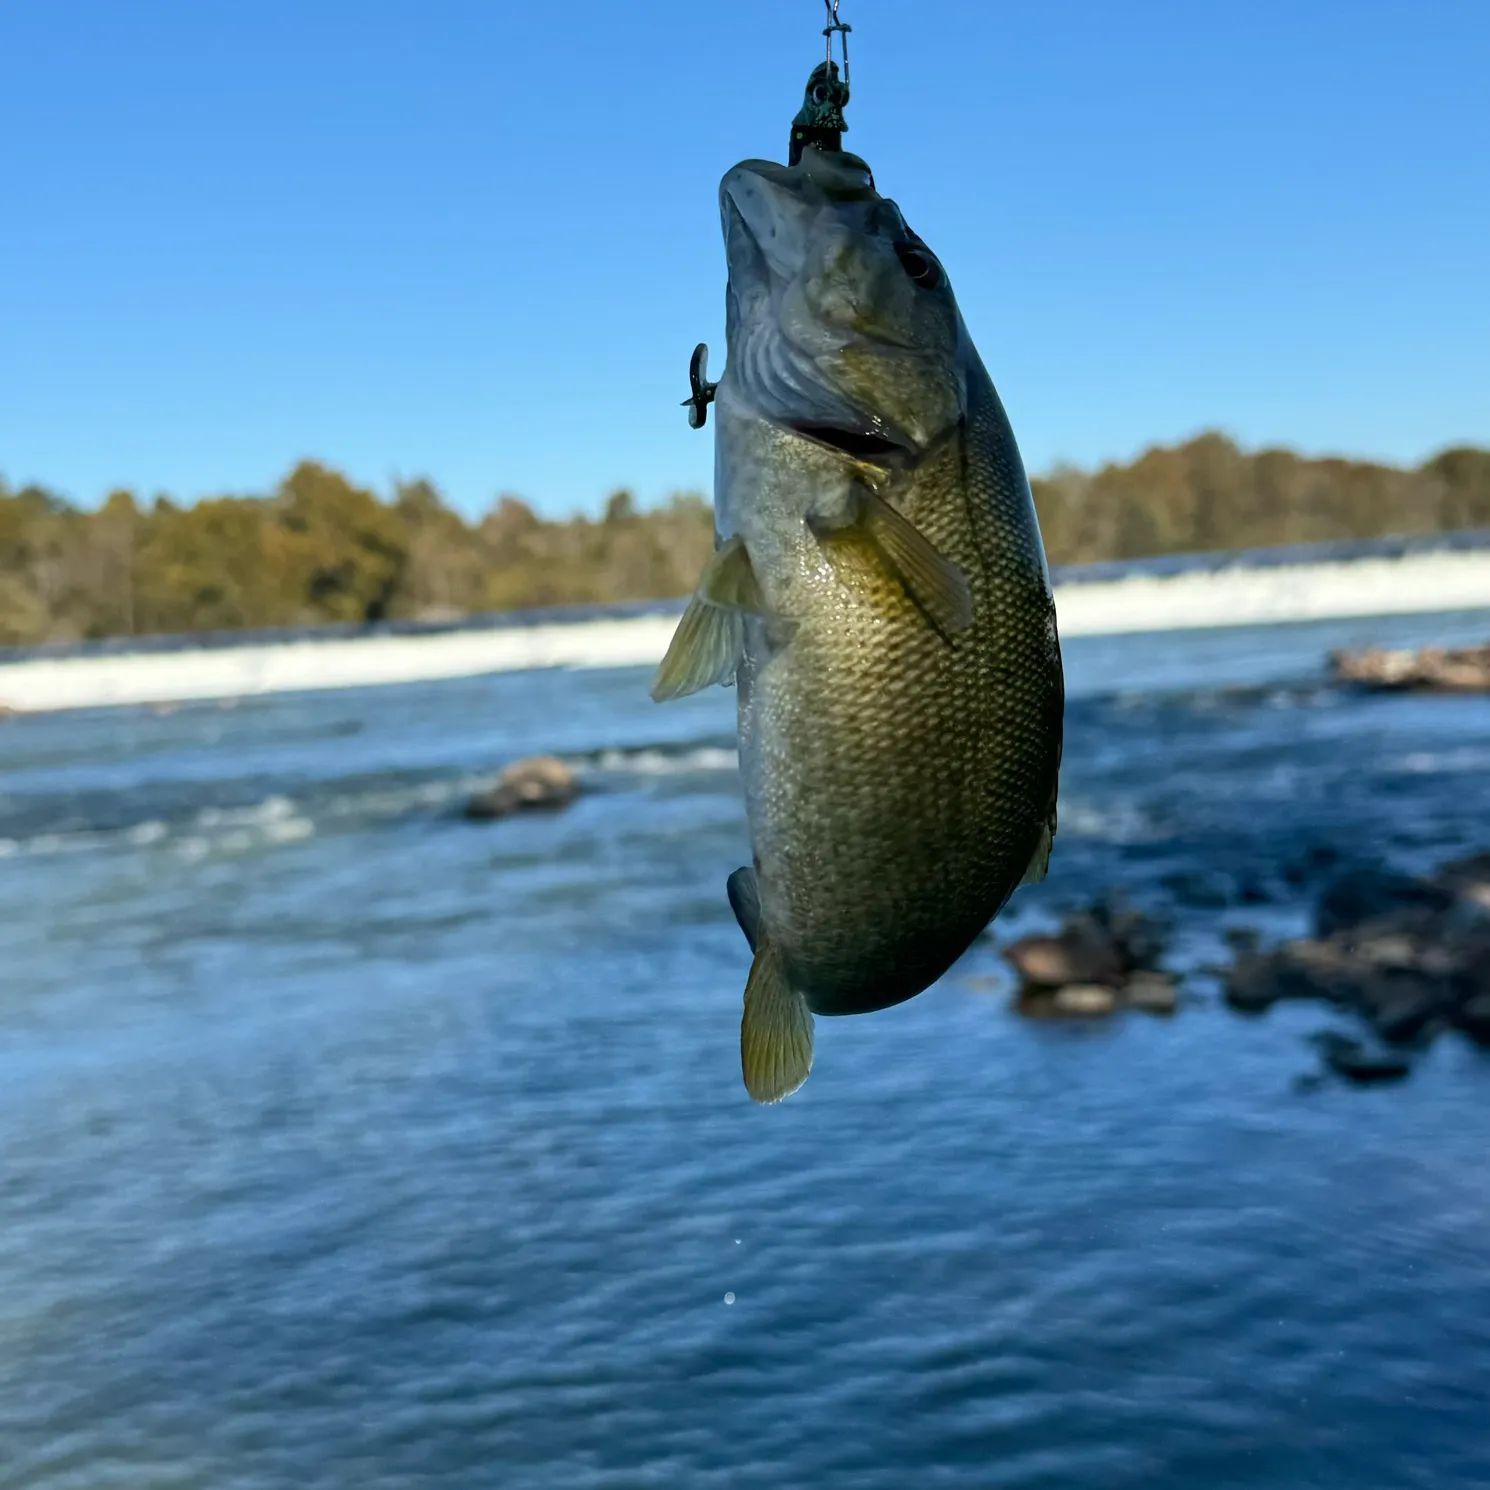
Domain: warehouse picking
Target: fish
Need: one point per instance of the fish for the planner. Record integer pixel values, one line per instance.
(879, 596)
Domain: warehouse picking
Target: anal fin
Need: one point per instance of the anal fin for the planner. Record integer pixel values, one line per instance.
(775, 1030)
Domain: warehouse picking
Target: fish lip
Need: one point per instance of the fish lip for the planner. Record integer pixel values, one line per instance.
(863, 446)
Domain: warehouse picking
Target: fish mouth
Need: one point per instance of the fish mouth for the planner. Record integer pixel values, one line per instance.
(866, 446)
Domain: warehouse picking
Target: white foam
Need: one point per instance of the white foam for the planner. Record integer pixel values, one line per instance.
(271, 810)
(215, 830)
(1420, 583)
(661, 763)
(1429, 763)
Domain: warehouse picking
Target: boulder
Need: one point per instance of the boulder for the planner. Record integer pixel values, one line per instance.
(1084, 999)
(1153, 992)
(1082, 952)
(538, 783)
(1258, 980)
(1431, 670)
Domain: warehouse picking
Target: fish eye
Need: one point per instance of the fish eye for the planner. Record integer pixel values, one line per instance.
(921, 264)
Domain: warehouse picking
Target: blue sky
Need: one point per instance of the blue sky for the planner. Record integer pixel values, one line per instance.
(478, 241)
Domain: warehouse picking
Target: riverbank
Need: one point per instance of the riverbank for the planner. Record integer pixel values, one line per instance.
(1401, 577)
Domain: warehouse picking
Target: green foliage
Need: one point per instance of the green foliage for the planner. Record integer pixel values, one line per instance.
(1208, 494)
(321, 549)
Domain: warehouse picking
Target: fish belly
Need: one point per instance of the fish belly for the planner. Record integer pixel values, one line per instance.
(896, 793)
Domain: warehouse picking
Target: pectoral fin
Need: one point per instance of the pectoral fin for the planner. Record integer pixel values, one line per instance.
(729, 579)
(936, 585)
(710, 639)
(706, 648)
(775, 1031)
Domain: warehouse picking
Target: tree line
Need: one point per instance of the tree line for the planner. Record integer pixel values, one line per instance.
(321, 549)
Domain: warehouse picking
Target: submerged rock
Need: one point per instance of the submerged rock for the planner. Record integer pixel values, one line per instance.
(1351, 1059)
(538, 783)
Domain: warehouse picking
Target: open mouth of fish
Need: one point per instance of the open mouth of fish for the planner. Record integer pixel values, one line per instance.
(870, 447)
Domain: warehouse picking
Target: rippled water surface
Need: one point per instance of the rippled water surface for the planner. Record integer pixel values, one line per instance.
(345, 1143)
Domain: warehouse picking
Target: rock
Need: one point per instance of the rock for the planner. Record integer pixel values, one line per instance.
(1083, 952)
(1468, 880)
(1411, 957)
(540, 782)
(1351, 1059)
(1102, 946)
(1473, 967)
(1473, 1017)
(1250, 986)
(1153, 992)
(1393, 950)
(1296, 970)
(1431, 670)
(1367, 895)
(1407, 1017)
(1138, 939)
(1085, 999)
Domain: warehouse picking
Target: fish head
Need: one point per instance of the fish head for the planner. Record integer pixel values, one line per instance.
(842, 325)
